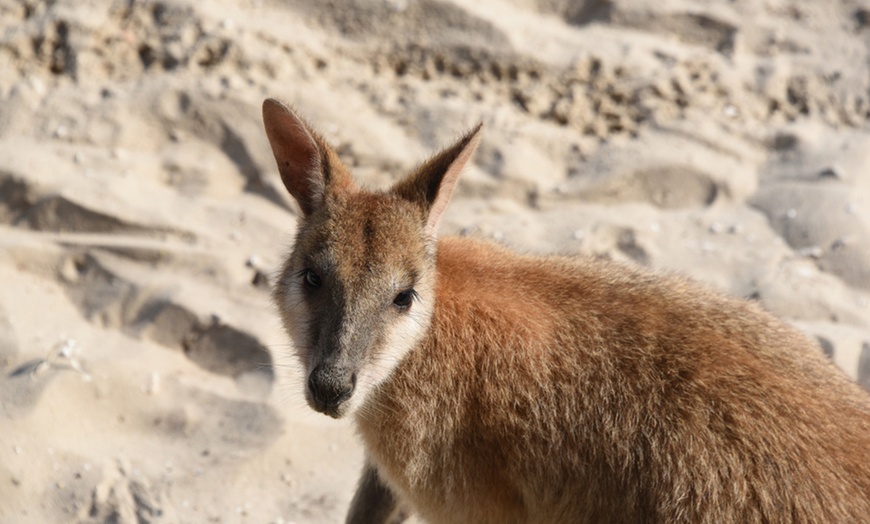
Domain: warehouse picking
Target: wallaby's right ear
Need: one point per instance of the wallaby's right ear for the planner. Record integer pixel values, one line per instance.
(431, 186)
(308, 166)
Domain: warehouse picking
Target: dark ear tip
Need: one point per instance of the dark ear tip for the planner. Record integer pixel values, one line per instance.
(475, 133)
(272, 106)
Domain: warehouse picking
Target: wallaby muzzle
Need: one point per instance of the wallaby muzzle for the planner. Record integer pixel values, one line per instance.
(330, 387)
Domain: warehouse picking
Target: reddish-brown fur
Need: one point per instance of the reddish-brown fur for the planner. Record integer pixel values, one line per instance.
(553, 389)
(583, 391)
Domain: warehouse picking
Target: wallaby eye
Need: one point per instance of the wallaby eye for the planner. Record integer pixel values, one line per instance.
(311, 278)
(403, 300)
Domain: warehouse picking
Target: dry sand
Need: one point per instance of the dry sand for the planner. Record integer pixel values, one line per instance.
(143, 373)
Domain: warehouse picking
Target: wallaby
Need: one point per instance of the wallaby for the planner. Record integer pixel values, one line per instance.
(490, 386)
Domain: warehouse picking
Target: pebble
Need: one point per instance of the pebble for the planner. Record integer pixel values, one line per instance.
(69, 272)
(38, 86)
(152, 387)
(831, 172)
(716, 228)
(791, 214)
(811, 251)
(839, 243)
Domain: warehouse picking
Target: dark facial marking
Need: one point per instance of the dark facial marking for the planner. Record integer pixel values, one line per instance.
(369, 238)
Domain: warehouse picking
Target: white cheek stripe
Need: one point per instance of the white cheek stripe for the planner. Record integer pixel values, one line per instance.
(400, 338)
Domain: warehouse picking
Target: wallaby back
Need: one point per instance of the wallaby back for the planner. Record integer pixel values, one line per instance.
(489, 386)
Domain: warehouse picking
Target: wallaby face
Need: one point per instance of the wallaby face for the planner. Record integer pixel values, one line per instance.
(357, 291)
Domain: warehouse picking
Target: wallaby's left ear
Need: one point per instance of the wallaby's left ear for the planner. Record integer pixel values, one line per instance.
(432, 184)
(309, 167)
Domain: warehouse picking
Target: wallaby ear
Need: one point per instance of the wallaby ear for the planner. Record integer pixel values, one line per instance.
(308, 166)
(432, 184)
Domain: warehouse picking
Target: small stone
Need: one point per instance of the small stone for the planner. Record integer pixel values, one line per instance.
(735, 229)
(69, 271)
(831, 172)
(826, 345)
(16, 449)
(791, 214)
(37, 85)
(716, 228)
(253, 261)
(811, 252)
(152, 387)
(260, 280)
(578, 234)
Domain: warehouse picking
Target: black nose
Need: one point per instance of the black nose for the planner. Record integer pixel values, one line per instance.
(330, 387)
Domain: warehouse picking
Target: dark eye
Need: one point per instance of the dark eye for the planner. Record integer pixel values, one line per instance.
(312, 279)
(403, 300)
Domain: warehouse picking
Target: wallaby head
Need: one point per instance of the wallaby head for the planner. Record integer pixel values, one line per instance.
(357, 291)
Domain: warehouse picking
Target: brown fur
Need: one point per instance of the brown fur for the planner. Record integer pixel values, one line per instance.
(556, 389)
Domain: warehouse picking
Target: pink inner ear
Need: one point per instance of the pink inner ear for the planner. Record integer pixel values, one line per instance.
(296, 153)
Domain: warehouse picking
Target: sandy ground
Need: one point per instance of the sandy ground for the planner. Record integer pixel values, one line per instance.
(143, 373)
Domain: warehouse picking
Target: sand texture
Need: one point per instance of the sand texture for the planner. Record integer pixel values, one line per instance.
(144, 376)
